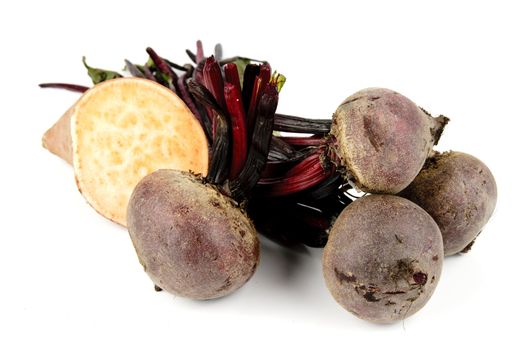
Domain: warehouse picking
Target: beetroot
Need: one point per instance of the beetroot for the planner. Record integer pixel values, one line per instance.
(191, 240)
(460, 193)
(189, 230)
(382, 139)
(378, 139)
(383, 258)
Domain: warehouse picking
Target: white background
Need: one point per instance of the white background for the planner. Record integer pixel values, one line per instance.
(69, 279)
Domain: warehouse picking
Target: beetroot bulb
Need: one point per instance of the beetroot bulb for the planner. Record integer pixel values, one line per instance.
(383, 258)
(378, 140)
(459, 192)
(190, 231)
(383, 139)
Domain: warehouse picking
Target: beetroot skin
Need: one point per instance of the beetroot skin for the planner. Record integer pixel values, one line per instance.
(382, 139)
(460, 193)
(383, 258)
(192, 240)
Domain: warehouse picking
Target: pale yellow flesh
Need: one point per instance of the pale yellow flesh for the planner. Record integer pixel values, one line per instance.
(125, 129)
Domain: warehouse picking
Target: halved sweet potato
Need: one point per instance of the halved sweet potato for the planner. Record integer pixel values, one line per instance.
(120, 131)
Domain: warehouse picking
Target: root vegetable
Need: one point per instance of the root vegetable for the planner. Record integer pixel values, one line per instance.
(118, 132)
(378, 139)
(383, 258)
(460, 193)
(383, 139)
(187, 225)
(192, 240)
(189, 231)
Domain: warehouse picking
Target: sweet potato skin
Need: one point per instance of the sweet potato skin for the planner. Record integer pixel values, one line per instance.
(383, 139)
(459, 192)
(57, 139)
(192, 241)
(383, 258)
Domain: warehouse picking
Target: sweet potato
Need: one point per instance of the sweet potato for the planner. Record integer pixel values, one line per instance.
(118, 132)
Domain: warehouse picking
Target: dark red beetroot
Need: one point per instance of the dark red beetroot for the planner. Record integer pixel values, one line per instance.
(378, 139)
(383, 258)
(382, 139)
(189, 232)
(459, 192)
(237, 119)
(191, 240)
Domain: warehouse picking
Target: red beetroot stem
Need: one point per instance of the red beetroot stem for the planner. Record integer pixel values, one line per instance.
(314, 140)
(250, 74)
(306, 174)
(64, 86)
(163, 67)
(213, 80)
(186, 97)
(259, 85)
(233, 99)
(281, 149)
(291, 123)
(184, 68)
(261, 136)
(200, 52)
(220, 156)
(231, 75)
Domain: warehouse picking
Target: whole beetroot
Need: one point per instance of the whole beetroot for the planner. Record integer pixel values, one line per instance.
(192, 240)
(382, 139)
(460, 193)
(383, 258)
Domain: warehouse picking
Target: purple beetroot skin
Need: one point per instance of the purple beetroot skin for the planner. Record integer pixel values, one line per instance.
(460, 193)
(382, 139)
(383, 258)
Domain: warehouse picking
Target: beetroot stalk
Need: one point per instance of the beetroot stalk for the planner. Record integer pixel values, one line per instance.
(314, 140)
(304, 175)
(259, 85)
(231, 75)
(250, 74)
(259, 146)
(192, 56)
(220, 156)
(164, 68)
(217, 52)
(200, 52)
(134, 70)
(65, 86)
(290, 123)
(233, 99)
(213, 80)
(148, 73)
(280, 150)
(201, 116)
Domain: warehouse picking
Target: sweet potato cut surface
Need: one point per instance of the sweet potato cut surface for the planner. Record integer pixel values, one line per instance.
(122, 130)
